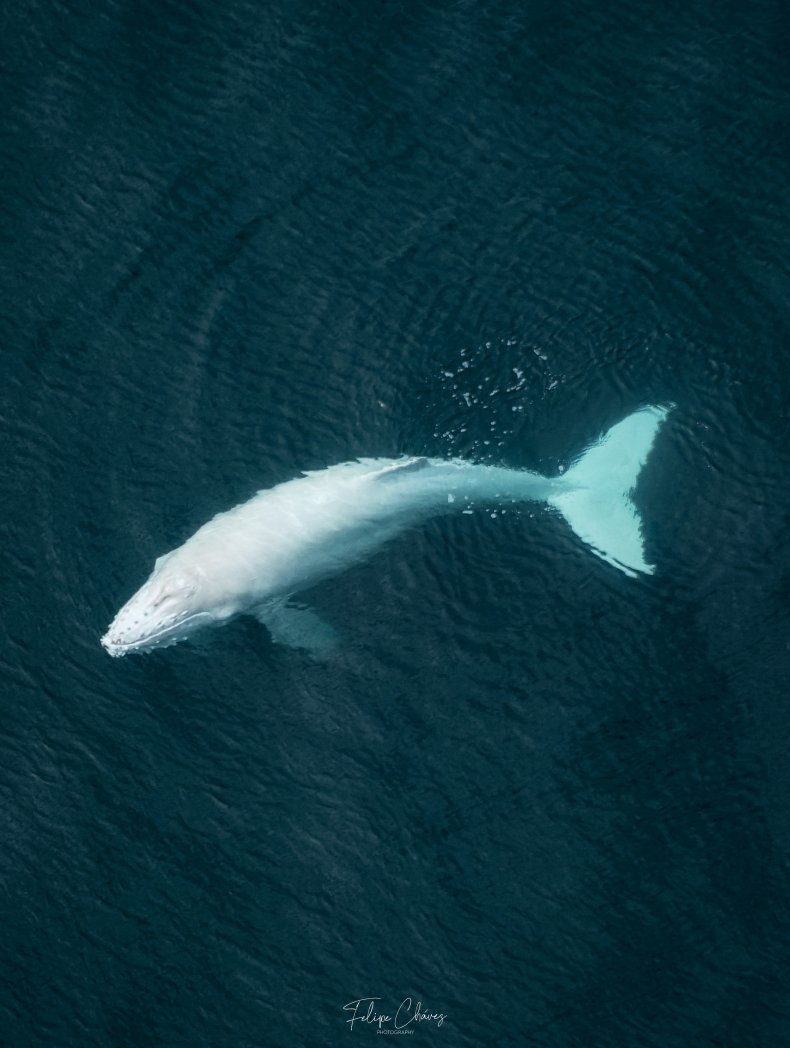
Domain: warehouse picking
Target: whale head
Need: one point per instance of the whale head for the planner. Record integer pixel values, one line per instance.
(166, 609)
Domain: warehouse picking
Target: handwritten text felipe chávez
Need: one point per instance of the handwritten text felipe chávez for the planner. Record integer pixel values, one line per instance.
(363, 1010)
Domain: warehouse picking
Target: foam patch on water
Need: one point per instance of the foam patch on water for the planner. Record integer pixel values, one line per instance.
(480, 398)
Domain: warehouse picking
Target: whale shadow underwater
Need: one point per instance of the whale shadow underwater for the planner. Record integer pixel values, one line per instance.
(255, 558)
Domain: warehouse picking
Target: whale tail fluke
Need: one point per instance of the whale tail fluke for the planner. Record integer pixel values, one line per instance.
(595, 492)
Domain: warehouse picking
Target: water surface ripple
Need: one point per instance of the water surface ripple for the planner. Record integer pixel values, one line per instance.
(550, 801)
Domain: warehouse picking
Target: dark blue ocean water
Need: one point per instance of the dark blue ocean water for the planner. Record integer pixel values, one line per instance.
(548, 801)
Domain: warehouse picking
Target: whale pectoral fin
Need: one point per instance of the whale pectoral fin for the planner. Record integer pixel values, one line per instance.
(297, 627)
(396, 470)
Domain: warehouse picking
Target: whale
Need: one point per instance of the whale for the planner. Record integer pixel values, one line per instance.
(256, 558)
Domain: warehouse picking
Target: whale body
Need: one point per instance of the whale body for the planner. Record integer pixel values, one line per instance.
(254, 558)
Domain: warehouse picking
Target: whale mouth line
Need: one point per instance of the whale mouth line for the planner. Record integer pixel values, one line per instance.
(119, 648)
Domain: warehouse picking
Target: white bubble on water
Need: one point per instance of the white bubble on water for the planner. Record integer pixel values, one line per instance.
(512, 379)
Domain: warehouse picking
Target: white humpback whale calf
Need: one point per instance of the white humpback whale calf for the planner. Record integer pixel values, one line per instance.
(255, 558)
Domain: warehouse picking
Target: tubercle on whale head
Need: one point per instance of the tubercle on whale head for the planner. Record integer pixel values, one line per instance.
(107, 642)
